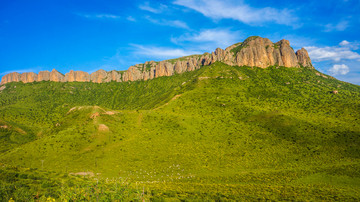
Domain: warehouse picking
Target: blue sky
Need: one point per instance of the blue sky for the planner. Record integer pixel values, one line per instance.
(89, 35)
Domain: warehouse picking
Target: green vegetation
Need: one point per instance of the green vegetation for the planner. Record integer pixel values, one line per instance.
(238, 48)
(217, 133)
(26, 184)
(148, 67)
(250, 38)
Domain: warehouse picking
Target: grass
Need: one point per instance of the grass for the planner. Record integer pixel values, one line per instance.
(218, 133)
(26, 184)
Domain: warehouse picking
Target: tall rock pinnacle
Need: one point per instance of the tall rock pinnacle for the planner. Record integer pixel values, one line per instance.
(303, 58)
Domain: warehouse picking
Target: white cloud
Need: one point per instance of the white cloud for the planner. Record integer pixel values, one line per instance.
(146, 7)
(118, 61)
(130, 18)
(161, 52)
(219, 37)
(344, 43)
(341, 26)
(99, 16)
(239, 11)
(171, 23)
(339, 70)
(334, 53)
(351, 45)
(107, 16)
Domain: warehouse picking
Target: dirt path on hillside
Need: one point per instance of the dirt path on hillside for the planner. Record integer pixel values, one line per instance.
(174, 98)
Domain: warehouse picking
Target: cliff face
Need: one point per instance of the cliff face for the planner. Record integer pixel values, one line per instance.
(102, 76)
(28, 77)
(303, 58)
(77, 76)
(253, 52)
(12, 77)
(56, 76)
(43, 76)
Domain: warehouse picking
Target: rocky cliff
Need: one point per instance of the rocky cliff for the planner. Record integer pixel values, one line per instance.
(254, 52)
(77, 76)
(12, 77)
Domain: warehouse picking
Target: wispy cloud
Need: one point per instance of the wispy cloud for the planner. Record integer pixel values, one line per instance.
(35, 70)
(354, 45)
(218, 37)
(99, 16)
(146, 7)
(334, 53)
(171, 23)
(344, 43)
(161, 52)
(130, 18)
(339, 70)
(341, 26)
(118, 61)
(239, 11)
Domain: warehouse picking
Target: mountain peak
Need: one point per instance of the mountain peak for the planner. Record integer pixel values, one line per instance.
(251, 38)
(255, 51)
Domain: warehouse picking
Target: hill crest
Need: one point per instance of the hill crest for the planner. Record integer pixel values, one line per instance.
(254, 52)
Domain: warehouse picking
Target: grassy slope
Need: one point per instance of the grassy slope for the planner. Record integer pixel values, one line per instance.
(242, 132)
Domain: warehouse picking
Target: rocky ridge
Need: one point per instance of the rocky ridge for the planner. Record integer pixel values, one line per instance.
(254, 52)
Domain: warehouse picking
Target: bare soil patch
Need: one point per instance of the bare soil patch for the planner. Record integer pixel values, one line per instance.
(103, 128)
(89, 174)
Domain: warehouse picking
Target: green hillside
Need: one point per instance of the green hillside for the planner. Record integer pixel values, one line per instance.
(217, 133)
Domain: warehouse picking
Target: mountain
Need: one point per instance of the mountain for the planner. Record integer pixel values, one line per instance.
(220, 132)
(254, 51)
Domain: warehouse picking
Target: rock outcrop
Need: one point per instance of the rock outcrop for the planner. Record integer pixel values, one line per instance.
(28, 77)
(303, 58)
(260, 52)
(77, 76)
(113, 76)
(102, 76)
(56, 76)
(12, 77)
(254, 52)
(99, 76)
(43, 76)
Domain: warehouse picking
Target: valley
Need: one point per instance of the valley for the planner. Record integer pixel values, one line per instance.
(219, 132)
